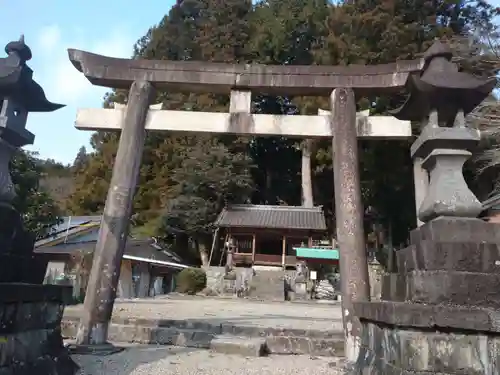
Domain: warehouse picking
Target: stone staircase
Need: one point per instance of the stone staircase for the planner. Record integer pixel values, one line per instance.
(223, 338)
(268, 285)
(248, 347)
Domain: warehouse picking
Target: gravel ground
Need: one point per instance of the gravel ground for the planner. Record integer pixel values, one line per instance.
(238, 312)
(160, 360)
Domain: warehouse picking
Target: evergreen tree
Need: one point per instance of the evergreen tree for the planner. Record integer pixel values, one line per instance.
(39, 211)
(80, 159)
(304, 32)
(189, 32)
(209, 176)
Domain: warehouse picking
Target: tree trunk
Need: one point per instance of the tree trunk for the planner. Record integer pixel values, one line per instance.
(268, 193)
(307, 193)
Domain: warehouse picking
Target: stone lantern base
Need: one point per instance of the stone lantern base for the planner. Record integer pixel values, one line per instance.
(440, 313)
(30, 330)
(30, 312)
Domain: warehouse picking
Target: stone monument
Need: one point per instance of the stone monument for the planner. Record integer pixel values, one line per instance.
(30, 313)
(439, 312)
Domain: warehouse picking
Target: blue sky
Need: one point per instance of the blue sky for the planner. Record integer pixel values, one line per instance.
(52, 26)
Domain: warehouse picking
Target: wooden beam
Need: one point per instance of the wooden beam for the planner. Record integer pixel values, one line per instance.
(206, 77)
(370, 127)
(283, 254)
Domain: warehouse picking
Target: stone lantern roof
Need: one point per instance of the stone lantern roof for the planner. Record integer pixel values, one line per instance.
(442, 87)
(16, 80)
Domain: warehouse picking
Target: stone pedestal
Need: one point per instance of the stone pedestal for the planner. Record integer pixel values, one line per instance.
(442, 153)
(301, 291)
(30, 313)
(30, 330)
(440, 313)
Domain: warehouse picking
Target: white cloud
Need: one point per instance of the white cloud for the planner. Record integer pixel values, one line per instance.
(49, 38)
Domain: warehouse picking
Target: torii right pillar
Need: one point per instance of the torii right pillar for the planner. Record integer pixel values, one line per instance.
(439, 313)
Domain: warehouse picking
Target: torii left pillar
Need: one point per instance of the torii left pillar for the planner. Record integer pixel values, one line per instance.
(103, 282)
(349, 216)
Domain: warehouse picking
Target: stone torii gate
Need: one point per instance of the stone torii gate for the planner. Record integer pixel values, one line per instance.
(343, 126)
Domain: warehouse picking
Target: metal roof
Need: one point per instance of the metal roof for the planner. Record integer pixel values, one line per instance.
(70, 225)
(276, 217)
(79, 233)
(139, 250)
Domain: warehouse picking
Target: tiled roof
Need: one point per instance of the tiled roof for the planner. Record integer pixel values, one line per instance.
(276, 217)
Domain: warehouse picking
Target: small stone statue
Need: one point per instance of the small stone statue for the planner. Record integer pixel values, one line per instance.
(302, 272)
(230, 273)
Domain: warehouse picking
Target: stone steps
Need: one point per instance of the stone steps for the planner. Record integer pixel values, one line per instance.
(268, 285)
(201, 335)
(248, 347)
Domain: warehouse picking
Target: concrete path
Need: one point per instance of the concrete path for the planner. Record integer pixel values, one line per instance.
(154, 360)
(240, 312)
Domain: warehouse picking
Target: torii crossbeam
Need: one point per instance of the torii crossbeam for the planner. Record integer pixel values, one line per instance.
(367, 127)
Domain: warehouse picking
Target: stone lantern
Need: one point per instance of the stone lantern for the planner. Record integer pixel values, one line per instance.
(19, 95)
(439, 100)
(438, 313)
(30, 312)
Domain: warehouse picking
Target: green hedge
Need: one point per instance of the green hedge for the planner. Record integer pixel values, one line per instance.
(191, 280)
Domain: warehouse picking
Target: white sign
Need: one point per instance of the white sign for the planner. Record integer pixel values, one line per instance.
(313, 275)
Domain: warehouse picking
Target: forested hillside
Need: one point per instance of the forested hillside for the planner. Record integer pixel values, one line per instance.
(186, 180)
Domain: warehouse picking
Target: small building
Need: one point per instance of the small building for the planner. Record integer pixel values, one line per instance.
(146, 268)
(267, 235)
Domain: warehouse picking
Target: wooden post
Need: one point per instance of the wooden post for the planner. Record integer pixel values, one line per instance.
(101, 289)
(230, 255)
(349, 215)
(224, 249)
(283, 254)
(253, 248)
(240, 101)
(214, 242)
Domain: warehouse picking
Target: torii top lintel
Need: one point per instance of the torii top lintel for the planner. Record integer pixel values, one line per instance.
(194, 76)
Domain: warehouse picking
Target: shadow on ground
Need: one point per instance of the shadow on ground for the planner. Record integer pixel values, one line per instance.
(127, 361)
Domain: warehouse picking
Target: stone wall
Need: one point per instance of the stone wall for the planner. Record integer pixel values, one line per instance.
(391, 350)
(439, 313)
(263, 284)
(215, 279)
(30, 330)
